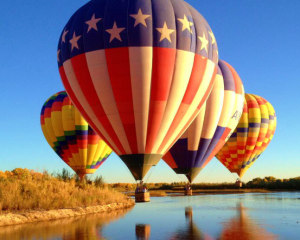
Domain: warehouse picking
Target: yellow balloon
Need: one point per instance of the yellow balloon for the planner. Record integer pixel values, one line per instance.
(70, 136)
(251, 137)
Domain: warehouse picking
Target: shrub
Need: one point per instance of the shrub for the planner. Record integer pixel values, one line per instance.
(98, 181)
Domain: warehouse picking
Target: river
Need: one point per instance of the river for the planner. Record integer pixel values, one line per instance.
(247, 216)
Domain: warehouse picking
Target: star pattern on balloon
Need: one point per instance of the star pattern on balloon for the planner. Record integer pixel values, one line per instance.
(186, 24)
(212, 36)
(165, 32)
(140, 18)
(204, 42)
(58, 52)
(92, 23)
(63, 37)
(115, 32)
(74, 41)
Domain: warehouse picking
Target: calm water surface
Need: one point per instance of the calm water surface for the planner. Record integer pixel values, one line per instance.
(232, 216)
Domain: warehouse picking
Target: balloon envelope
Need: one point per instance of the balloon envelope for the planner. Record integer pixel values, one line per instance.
(139, 72)
(214, 124)
(251, 137)
(70, 136)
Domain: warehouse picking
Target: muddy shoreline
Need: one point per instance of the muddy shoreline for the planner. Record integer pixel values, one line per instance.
(47, 215)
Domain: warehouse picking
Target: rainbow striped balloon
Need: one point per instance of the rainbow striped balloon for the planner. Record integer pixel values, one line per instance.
(251, 137)
(70, 136)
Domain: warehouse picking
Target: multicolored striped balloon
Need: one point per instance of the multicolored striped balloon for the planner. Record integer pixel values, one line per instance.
(70, 136)
(212, 127)
(139, 72)
(251, 137)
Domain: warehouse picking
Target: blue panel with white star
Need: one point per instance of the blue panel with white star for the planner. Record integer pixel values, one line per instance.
(105, 24)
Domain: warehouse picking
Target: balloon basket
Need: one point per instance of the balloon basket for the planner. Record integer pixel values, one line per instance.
(142, 197)
(188, 192)
(238, 184)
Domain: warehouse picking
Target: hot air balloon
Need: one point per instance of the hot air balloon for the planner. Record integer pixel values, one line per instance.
(251, 137)
(70, 136)
(214, 124)
(139, 72)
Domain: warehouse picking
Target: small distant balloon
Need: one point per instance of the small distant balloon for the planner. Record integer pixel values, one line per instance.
(251, 137)
(70, 136)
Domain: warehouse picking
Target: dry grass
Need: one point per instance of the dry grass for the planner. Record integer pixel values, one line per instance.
(158, 193)
(22, 189)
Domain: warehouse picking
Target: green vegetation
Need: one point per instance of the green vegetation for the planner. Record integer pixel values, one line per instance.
(273, 183)
(23, 189)
(268, 183)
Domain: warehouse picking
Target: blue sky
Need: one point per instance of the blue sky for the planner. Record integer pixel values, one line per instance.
(260, 39)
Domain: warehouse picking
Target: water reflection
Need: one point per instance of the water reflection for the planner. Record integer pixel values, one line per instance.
(88, 227)
(190, 231)
(222, 217)
(142, 231)
(243, 227)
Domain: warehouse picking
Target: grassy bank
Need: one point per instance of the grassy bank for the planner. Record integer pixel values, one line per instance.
(23, 189)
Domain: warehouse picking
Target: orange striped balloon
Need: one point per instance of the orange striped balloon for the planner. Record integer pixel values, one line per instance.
(251, 137)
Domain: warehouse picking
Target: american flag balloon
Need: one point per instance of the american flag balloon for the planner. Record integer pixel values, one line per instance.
(139, 71)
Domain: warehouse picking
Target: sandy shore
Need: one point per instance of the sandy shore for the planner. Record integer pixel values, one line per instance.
(37, 216)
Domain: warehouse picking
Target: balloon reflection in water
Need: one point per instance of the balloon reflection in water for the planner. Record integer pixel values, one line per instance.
(142, 231)
(191, 231)
(243, 227)
(238, 227)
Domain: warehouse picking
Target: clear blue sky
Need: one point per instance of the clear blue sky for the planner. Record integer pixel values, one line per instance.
(260, 39)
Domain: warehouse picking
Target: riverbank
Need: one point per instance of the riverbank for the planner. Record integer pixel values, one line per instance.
(28, 196)
(64, 228)
(38, 216)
